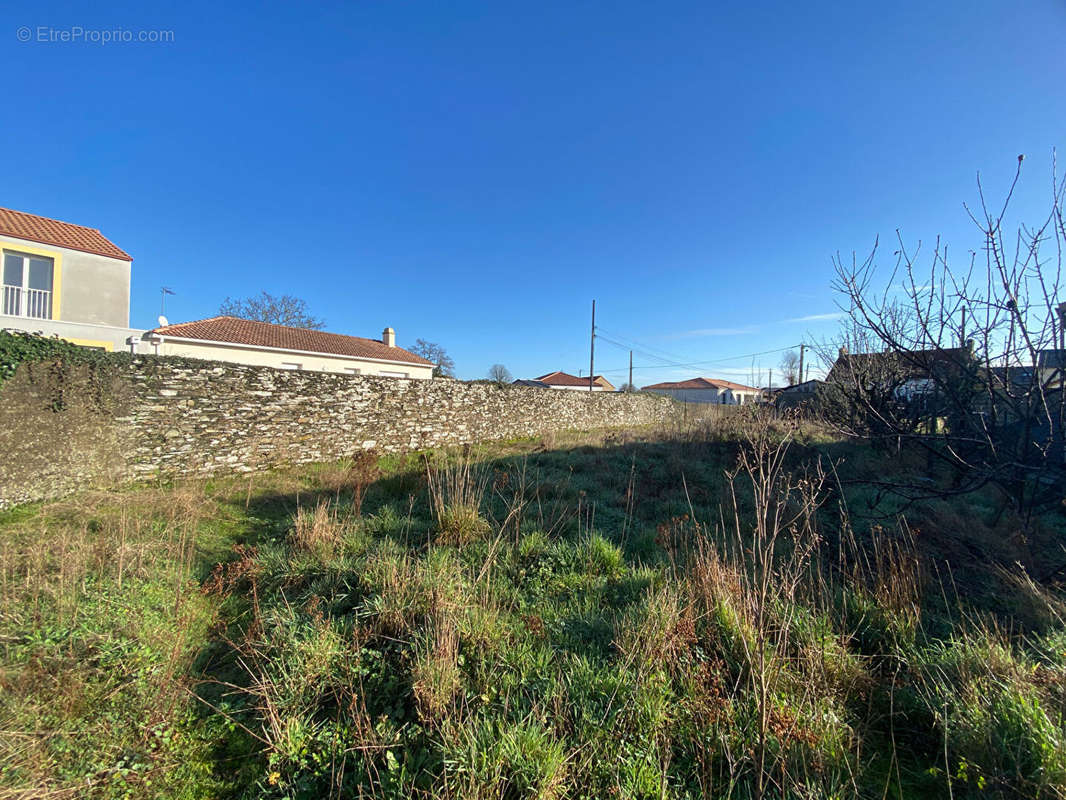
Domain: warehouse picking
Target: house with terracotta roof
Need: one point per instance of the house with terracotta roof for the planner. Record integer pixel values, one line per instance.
(904, 375)
(707, 390)
(243, 341)
(564, 380)
(66, 280)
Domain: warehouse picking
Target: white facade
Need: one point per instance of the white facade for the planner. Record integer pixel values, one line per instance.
(284, 359)
(717, 396)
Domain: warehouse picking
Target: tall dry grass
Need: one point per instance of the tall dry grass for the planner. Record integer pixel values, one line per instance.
(457, 488)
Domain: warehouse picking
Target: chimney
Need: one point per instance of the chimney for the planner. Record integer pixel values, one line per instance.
(388, 337)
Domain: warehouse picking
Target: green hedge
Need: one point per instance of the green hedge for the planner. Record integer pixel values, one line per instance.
(17, 347)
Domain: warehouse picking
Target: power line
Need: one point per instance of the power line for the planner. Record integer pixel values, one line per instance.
(667, 361)
(714, 362)
(647, 349)
(628, 348)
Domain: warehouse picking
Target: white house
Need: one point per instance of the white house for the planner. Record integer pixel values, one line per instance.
(242, 341)
(707, 390)
(564, 380)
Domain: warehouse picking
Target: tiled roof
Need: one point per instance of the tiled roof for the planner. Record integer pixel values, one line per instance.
(232, 330)
(566, 379)
(702, 383)
(62, 234)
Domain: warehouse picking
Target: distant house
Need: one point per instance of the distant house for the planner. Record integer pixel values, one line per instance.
(66, 280)
(798, 394)
(907, 375)
(243, 341)
(563, 380)
(707, 390)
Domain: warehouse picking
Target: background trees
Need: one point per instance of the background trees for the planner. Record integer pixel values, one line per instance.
(790, 368)
(968, 360)
(265, 307)
(431, 351)
(498, 373)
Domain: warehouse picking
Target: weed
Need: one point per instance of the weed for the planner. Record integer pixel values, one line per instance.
(316, 531)
(688, 612)
(456, 490)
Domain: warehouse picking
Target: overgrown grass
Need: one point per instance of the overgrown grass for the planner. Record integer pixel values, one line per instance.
(713, 611)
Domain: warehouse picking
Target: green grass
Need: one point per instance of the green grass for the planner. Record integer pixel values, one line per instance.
(524, 621)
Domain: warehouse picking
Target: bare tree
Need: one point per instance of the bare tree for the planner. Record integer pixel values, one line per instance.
(965, 362)
(499, 374)
(265, 307)
(431, 351)
(790, 368)
(627, 388)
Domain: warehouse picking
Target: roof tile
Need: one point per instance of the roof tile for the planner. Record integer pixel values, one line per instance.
(702, 383)
(566, 379)
(232, 330)
(33, 228)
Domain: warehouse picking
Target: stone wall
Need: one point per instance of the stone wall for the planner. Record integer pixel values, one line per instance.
(58, 432)
(160, 416)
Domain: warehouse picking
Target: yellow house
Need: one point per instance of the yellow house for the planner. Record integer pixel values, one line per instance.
(67, 280)
(62, 279)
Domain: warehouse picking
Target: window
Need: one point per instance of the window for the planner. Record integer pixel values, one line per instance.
(353, 371)
(291, 365)
(385, 374)
(27, 285)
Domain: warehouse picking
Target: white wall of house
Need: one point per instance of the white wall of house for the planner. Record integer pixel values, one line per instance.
(728, 397)
(289, 359)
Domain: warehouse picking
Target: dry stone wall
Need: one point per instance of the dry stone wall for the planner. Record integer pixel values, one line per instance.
(180, 417)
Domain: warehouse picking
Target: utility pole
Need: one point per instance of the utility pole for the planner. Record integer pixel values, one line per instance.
(592, 348)
(802, 348)
(630, 370)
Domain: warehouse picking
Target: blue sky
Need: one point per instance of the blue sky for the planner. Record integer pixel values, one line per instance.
(475, 174)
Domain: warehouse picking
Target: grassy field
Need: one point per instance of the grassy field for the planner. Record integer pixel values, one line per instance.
(714, 611)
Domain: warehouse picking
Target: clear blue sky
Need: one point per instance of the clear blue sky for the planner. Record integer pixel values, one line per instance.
(474, 174)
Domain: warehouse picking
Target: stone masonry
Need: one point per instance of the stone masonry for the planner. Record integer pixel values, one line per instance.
(180, 417)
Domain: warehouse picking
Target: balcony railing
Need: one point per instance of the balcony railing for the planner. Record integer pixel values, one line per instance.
(35, 303)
